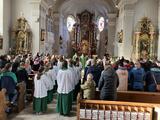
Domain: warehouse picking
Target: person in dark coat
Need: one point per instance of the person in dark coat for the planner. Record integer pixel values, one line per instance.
(22, 75)
(108, 83)
(95, 71)
(152, 78)
(8, 81)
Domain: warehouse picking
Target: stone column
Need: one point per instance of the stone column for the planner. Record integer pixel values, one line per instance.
(159, 31)
(128, 29)
(56, 46)
(35, 25)
(111, 33)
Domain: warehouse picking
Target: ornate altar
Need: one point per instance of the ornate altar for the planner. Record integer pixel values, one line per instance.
(145, 44)
(22, 37)
(84, 34)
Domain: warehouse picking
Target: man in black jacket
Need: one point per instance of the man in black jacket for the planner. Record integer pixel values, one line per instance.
(22, 75)
(108, 83)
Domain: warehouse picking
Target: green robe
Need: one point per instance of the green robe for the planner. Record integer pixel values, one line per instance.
(40, 104)
(49, 96)
(83, 60)
(64, 103)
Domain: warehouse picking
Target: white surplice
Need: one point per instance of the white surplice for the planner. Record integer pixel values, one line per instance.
(65, 81)
(40, 88)
(52, 75)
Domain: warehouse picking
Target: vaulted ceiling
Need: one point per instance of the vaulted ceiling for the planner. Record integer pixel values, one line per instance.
(108, 6)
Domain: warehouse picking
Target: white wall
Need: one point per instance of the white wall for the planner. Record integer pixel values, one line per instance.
(147, 8)
(1, 17)
(31, 11)
(6, 25)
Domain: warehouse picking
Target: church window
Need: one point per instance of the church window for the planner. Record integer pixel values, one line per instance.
(101, 24)
(70, 22)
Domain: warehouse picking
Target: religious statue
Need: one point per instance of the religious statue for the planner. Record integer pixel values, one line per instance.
(22, 36)
(120, 36)
(85, 47)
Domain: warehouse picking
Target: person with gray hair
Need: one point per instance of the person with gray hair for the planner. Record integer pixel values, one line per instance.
(95, 71)
(108, 83)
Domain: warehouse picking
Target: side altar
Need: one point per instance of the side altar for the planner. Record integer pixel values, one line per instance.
(21, 37)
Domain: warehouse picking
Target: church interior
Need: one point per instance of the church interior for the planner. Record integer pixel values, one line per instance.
(53, 49)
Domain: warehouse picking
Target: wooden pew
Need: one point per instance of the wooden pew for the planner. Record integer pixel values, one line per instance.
(3, 105)
(21, 97)
(135, 96)
(30, 87)
(133, 99)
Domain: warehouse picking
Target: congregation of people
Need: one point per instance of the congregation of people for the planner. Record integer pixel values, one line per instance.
(68, 76)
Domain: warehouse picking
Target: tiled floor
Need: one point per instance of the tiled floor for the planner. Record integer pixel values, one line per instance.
(27, 114)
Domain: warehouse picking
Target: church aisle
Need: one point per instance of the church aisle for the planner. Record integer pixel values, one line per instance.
(27, 114)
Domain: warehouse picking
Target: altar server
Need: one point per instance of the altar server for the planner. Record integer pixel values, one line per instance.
(40, 92)
(65, 90)
(50, 81)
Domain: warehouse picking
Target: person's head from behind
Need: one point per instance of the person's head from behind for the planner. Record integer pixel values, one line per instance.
(107, 64)
(93, 62)
(64, 64)
(22, 64)
(137, 64)
(40, 72)
(89, 77)
(7, 67)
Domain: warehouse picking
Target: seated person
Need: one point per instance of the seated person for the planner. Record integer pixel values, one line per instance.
(89, 88)
(8, 81)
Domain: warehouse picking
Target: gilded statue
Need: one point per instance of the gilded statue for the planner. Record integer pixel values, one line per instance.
(85, 46)
(120, 36)
(23, 38)
(144, 43)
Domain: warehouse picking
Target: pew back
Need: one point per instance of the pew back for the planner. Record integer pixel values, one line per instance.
(107, 110)
(2, 105)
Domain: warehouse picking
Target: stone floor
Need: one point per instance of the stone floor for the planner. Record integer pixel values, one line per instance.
(27, 114)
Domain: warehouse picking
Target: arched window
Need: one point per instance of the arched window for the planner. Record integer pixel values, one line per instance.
(70, 22)
(101, 24)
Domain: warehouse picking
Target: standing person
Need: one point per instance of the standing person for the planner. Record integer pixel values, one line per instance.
(40, 92)
(152, 78)
(8, 81)
(137, 77)
(83, 60)
(95, 71)
(22, 75)
(89, 88)
(65, 90)
(123, 77)
(108, 83)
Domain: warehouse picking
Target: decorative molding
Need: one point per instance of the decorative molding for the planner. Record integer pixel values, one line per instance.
(35, 1)
(123, 3)
(44, 5)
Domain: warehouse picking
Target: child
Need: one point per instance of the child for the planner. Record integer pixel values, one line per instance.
(89, 87)
(40, 92)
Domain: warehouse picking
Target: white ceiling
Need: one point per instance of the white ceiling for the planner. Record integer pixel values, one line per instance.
(77, 6)
(102, 7)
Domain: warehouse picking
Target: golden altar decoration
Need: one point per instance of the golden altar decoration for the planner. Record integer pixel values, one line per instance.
(144, 43)
(22, 37)
(85, 34)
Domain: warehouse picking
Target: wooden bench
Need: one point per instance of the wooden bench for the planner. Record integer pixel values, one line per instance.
(21, 97)
(133, 101)
(3, 105)
(136, 96)
(30, 87)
